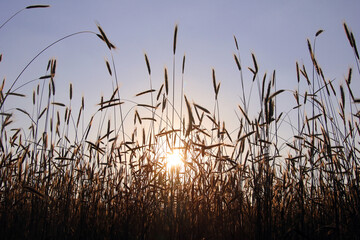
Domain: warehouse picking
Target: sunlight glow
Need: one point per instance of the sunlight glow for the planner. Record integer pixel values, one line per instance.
(174, 160)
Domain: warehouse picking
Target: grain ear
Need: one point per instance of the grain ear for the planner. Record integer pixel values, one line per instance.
(147, 63)
(37, 6)
(108, 67)
(190, 116)
(175, 38)
(319, 32)
(237, 62)
(103, 37)
(166, 81)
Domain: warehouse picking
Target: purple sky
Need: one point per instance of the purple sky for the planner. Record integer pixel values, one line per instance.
(276, 31)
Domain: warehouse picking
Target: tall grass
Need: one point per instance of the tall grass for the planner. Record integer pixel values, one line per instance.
(59, 180)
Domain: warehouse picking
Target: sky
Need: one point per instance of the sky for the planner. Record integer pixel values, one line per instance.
(275, 31)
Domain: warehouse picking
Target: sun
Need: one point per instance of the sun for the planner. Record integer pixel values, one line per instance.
(174, 160)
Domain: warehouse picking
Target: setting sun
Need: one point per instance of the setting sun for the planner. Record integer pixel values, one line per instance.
(174, 159)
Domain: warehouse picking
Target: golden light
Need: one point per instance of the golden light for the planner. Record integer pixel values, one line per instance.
(174, 160)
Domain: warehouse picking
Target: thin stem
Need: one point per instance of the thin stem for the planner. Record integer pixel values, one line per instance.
(36, 56)
(11, 17)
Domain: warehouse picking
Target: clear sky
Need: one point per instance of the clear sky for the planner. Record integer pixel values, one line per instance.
(275, 31)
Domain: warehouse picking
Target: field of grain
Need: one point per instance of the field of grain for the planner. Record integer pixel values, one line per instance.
(67, 177)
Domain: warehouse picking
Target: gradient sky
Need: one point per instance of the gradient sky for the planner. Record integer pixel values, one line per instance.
(275, 31)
